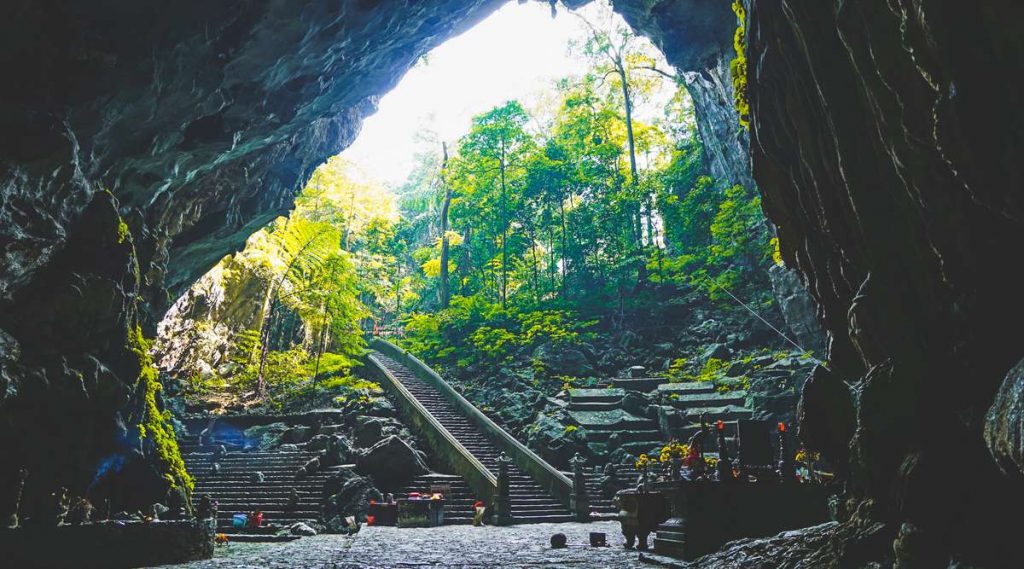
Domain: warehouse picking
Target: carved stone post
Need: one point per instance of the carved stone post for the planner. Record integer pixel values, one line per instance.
(786, 471)
(724, 462)
(580, 502)
(502, 500)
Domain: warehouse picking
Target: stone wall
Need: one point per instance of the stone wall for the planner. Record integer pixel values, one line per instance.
(107, 545)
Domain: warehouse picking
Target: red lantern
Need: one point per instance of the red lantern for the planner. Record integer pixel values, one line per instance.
(782, 427)
(720, 424)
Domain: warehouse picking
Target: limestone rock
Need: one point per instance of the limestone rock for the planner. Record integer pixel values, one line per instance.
(300, 528)
(826, 416)
(391, 462)
(264, 437)
(717, 351)
(798, 309)
(1004, 424)
(349, 494)
(369, 431)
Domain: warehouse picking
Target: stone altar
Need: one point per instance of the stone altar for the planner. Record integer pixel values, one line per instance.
(707, 514)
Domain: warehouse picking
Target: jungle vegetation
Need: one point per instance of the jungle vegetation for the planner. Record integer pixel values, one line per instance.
(541, 225)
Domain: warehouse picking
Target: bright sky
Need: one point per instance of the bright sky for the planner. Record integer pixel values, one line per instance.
(513, 54)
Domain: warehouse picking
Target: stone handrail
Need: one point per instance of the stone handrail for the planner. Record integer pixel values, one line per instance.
(552, 480)
(461, 461)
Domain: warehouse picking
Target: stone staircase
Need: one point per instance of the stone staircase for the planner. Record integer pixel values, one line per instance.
(530, 503)
(233, 489)
(458, 507)
(605, 413)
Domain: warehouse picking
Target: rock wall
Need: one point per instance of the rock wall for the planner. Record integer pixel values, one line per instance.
(203, 120)
(884, 140)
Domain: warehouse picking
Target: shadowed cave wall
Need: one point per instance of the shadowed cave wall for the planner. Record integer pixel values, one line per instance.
(884, 137)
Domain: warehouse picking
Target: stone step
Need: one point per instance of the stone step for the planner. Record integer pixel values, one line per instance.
(641, 384)
(692, 401)
(625, 436)
(534, 502)
(686, 387)
(594, 406)
(726, 413)
(611, 420)
(596, 395)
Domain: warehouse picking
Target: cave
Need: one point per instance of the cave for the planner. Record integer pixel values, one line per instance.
(140, 145)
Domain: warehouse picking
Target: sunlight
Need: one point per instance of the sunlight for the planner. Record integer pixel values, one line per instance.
(467, 75)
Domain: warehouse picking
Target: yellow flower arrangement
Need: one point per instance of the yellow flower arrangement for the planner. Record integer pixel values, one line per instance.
(802, 455)
(674, 449)
(643, 462)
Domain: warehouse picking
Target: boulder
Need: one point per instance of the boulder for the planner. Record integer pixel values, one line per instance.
(717, 351)
(349, 494)
(554, 440)
(737, 369)
(665, 348)
(297, 435)
(391, 462)
(300, 528)
(371, 430)
(380, 407)
(827, 417)
(636, 403)
(339, 451)
(318, 443)
(1004, 423)
(563, 360)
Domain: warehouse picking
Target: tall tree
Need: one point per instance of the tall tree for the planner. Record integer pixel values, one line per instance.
(444, 291)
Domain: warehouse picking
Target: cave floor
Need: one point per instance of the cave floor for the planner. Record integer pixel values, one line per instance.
(447, 546)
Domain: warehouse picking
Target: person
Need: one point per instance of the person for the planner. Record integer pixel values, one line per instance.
(255, 519)
(478, 513)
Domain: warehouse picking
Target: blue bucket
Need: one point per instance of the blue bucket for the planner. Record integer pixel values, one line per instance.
(239, 520)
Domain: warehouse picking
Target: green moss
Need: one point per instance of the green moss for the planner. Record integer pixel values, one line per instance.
(738, 66)
(122, 231)
(156, 426)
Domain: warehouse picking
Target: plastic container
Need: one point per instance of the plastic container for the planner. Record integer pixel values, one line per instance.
(239, 520)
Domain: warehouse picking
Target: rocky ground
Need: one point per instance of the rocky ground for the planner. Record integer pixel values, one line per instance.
(447, 546)
(686, 338)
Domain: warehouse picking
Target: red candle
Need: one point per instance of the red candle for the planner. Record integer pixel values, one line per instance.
(782, 427)
(720, 425)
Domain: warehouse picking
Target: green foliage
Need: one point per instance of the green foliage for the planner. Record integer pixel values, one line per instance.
(483, 333)
(677, 370)
(123, 232)
(713, 369)
(738, 66)
(155, 425)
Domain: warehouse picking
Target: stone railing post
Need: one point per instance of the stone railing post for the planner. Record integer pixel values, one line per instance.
(580, 501)
(502, 499)
(724, 462)
(787, 472)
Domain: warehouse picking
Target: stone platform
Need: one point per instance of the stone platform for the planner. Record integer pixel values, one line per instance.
(446, 546)
(106, 545)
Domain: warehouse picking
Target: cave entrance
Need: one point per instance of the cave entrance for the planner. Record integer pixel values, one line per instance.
(515, 199)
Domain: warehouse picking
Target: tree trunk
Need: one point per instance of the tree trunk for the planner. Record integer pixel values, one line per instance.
(504, 232)
(641, 271)
(444, 292)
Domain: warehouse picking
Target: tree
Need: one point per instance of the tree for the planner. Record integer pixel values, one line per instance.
(489, 170)
(629, 64)
(445, 293)
(305, 248)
